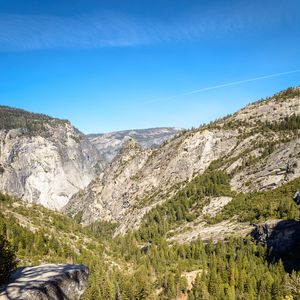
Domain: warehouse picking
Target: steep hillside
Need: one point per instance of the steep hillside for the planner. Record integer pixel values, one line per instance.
(42, 159)
(40, 236)
(109, 144)
(128, 267)
(253, 147)
(143, 174)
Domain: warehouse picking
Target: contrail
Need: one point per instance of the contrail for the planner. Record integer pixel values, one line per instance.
(225, 85)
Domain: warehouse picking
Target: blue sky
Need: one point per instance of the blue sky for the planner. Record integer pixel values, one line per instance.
(113, 65)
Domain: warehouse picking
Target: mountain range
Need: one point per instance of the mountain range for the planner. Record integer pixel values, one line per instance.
(109, 144)
(160, 213)
(46, 160)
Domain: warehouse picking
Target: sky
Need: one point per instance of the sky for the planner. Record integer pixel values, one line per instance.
(126, 64)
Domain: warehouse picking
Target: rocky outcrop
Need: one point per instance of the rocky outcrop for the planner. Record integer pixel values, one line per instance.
(215, 205)
(46, 161)
(55, 282)
(283, 237)
(200, 230)
(109, 144)
(269, 172)
(273, 109)
(259, 160)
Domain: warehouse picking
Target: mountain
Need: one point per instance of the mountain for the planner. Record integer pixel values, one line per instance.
(42, 159)
(109, 144)
(251, 147)
(209, 214)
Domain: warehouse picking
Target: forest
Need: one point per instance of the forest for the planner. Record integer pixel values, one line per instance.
(143, 264)
(29, 123)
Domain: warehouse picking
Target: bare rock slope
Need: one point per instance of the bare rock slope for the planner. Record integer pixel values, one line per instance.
(136, 175)
(55, 282)
(43, 160)
(251, 144)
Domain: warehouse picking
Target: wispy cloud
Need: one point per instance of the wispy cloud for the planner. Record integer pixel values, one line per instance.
(22, 32)
(219, 86)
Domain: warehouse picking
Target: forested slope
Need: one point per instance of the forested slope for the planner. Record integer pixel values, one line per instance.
(142, 264)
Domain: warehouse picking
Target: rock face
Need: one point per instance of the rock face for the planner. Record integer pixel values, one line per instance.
(269, 172)
(217, 232)
(109, 144)
(276, 108)
(251, 152)
(45, 160)
(55, 282)
(283, 237)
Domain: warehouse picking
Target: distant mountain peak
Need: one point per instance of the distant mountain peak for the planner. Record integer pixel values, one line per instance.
(110, 144)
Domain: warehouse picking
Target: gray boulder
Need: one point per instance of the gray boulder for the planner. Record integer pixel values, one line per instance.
(283, 238)
(54, 282)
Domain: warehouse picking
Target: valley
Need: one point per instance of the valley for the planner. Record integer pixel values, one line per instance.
(160, 213)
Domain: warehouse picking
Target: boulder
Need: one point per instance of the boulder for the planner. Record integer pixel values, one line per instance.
(283, 238)
(50, 281)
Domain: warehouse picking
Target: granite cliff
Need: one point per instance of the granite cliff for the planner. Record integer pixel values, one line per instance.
(43, 160)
